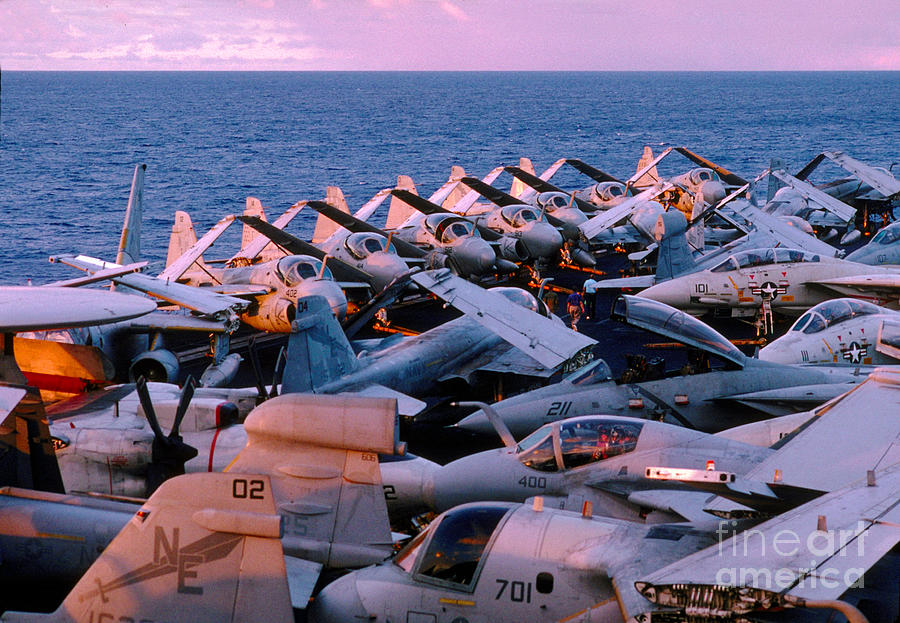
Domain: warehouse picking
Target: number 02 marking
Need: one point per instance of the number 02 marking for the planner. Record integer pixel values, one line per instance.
(243, 489)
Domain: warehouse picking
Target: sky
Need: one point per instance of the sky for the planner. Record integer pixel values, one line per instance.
(593, 35)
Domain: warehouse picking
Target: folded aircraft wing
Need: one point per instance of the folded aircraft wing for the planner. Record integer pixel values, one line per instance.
(592, 172)
(787, 235)
(467, 200)
(177, 268)
(256, 246)
(369, 207)
(543, 186)
(727, 176)
(342, 270)
(813, 195)
(200, 300)
(426, 207)
(608, 218)
(812, 553)
(880, 180)
(548, 342)
(528, 193)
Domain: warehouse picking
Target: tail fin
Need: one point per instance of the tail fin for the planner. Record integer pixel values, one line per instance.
(318, 350)
(459, 191)
(325, 226)
(306, 443)
(696, 234)
(130, 242)
(674, 253)
(207, 544)
(255, 208)
(27, 458)
(518, 186)
(399, 210)
(182, 237)
(651, 177)
(775, 164)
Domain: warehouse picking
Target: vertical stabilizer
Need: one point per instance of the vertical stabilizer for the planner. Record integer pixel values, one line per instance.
(651, 177)
(775, 164)
(399, 210)
(204, 547)
(182, 238)
(459, 191)
(340, 435)
(696, 234)
(518, 186)
(255, 208)
(334, 196)
(675, 256)
(130, 242)
(318, 351)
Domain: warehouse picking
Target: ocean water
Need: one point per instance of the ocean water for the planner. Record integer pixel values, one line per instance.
(69, 141)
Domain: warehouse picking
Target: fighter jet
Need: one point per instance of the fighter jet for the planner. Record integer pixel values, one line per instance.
(847, 331)
(693, 396)
(785, 280)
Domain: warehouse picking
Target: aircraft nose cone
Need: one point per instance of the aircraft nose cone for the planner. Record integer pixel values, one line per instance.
(384, 267)
(474, 256)
(338, 602)
(476, 422)
(782, 350)
(330, 290)
(669, 292)
(541, 239)
(713, 192)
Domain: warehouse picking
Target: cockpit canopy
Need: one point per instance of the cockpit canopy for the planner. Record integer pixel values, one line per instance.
(581, 440)
(362, 244)
(888, 234)
(553, 201)
(519, 215)
(829, 313)
(293, 269)
(702, 174)
(450, 551)
(758, 257)
(448, 228)
(670, 322)
(608, 191)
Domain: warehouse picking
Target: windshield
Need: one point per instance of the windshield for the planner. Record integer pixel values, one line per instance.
(889, 234)
(457, 543)
(542, 456)
(830, 313)
(363, 244)
(520, 297)
(592, 439)
(703, 175)
(609, 190)
(295, 268)
(518, 216)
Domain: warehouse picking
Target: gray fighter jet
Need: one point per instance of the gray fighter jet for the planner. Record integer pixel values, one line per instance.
(694, 396)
